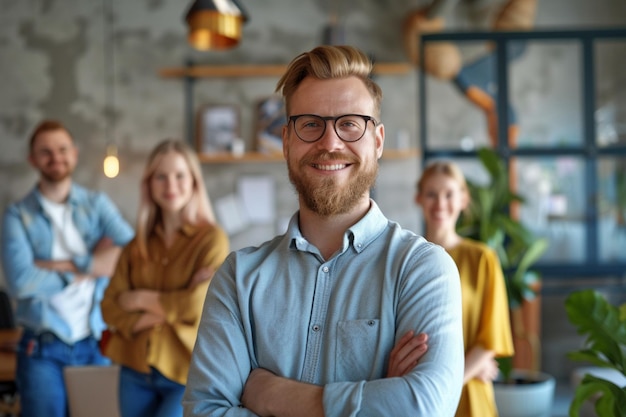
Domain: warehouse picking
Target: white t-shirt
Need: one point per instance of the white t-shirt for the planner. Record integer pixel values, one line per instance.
(75, 301)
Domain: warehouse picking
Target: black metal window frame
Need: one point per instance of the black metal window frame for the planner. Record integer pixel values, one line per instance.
(588, 150)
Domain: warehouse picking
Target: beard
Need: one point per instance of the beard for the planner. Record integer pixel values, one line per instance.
(53, 175)
(324, 196)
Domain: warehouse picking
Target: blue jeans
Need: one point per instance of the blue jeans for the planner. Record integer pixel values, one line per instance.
(149, 395)
(39, 375)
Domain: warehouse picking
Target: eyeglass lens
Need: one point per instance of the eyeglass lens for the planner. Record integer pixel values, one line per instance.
(349, 128)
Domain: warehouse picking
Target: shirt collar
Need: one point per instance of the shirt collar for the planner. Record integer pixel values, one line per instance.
(187, 229)
(359, 235)
(72, 199)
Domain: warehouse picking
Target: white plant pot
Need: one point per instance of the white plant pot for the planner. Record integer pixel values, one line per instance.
(533, 398)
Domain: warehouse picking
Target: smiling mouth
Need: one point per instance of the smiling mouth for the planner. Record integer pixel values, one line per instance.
(333, 167)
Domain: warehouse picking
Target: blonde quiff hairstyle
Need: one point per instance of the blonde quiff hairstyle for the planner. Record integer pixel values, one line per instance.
(328, 62)
(198, 211)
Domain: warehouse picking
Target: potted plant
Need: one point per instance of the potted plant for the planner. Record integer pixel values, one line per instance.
(488, 220)
(604, 326)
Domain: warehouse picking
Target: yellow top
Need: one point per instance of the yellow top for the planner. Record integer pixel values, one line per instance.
(485, 318)
(166, 347)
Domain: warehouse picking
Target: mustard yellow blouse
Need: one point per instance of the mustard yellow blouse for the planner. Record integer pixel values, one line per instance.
(485, 318)
(166, 347)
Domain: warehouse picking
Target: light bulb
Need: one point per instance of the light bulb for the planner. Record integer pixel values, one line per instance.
(111, 164)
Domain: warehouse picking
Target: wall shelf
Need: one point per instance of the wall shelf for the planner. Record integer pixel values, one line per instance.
(266, 70)
(248, 157)
(190, 73)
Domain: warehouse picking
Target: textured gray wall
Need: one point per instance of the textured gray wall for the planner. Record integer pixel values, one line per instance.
(53, 65)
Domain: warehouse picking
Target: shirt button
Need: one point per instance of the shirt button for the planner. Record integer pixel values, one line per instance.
(359, 245)
(325, 269)
(371, 322)
(316, 328)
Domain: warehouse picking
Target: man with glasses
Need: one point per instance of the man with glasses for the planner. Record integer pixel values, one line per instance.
(330, 318)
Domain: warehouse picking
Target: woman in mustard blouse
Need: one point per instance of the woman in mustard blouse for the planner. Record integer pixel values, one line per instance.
(154, 301)
(442, 194)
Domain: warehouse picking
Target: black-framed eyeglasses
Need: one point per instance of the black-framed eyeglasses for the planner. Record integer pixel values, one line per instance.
(348, 127)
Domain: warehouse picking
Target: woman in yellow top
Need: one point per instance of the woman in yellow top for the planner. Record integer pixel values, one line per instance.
(442, 194)
(154, 301)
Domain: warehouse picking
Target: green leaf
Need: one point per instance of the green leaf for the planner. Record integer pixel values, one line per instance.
(604, 326)
(600, 321)
(610, 399)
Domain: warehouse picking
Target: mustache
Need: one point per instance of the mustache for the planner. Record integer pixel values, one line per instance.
(329, 156)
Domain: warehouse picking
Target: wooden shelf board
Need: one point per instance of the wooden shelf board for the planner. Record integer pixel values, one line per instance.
(233, 71)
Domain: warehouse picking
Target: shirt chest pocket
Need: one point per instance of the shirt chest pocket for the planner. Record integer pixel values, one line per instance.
(357, 345)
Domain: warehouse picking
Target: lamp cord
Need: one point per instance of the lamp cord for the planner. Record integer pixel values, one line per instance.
(109, 65)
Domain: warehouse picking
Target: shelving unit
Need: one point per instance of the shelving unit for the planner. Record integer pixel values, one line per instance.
(191, 72)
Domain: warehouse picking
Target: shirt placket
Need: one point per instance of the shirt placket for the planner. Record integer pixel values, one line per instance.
(317, 323)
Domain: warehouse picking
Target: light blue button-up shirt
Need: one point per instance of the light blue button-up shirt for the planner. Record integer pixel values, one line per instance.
(282, 307)
(27, 236)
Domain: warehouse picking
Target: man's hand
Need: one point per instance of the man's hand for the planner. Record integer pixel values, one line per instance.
(406, 353)
(267, 395)
(255, 391)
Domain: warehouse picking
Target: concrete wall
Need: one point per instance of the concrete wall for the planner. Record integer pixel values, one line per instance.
(54, 64)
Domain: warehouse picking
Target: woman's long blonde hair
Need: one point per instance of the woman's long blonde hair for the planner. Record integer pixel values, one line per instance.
(197, 211)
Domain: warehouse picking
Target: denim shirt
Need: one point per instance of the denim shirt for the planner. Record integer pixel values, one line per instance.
(27, 236)
(333, 323)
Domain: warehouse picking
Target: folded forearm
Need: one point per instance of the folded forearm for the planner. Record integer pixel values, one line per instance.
(269, 395)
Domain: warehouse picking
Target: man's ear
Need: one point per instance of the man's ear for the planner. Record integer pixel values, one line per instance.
(380, 140)
(285, 139)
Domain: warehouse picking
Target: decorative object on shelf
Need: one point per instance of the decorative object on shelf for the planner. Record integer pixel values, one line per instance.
(215, 24)
(111, 163)
(270, 119)
(476, 80)
(217, 128)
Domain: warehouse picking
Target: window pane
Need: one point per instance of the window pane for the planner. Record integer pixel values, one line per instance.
(453, 121)
(554, 190)
(612, 209)
(545, 93)
(610, 82)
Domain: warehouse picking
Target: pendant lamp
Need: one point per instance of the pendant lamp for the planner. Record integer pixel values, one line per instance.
(111, 163)
(215, 24)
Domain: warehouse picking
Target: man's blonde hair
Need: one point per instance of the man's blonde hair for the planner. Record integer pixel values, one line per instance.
(329, 62)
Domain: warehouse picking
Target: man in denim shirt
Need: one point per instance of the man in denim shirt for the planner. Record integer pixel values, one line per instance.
(325, 319)
(60, 244)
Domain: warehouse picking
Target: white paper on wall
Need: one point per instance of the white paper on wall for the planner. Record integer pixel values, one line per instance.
(257, 195)
(230, 213)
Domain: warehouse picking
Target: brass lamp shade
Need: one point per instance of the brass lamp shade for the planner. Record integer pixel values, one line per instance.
(214, 24)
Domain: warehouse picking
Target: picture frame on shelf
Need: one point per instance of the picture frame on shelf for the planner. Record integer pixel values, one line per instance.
(217, 128)
(269, 121)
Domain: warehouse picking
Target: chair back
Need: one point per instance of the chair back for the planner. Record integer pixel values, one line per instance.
(92, 391)
(7, 316)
